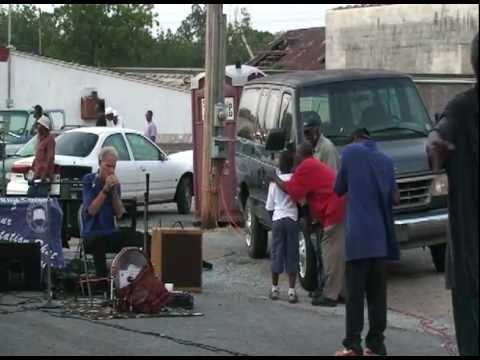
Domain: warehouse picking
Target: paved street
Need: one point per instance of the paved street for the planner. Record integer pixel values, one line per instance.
(238, 318)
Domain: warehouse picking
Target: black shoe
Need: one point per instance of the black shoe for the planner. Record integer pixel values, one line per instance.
(323, 301)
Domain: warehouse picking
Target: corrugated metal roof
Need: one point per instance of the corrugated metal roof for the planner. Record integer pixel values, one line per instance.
(177, 80)
(302, 49)
(359, 6)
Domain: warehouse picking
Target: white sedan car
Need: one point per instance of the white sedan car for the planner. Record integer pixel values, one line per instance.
(76, 154)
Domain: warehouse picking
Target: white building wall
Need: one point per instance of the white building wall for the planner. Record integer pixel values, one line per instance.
(58, 85)
(413, 38)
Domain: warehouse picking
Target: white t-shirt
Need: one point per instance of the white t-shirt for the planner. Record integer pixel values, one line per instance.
(279, 202)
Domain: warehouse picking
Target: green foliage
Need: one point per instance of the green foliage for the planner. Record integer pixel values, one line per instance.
(123, 35)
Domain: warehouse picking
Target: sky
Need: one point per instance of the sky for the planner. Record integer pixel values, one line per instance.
(264, 17)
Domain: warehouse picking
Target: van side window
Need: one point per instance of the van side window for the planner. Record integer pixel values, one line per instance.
(247, 119)
(261, 128)
(286, 116)
(271, 115)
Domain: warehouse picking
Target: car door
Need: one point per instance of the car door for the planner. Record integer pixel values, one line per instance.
(268, 114)
(126, 169)
(150, 160)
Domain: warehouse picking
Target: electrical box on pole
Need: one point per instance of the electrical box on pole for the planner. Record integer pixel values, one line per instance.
(219, 148)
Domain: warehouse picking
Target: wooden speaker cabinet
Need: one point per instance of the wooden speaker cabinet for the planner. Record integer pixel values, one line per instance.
(176, 256)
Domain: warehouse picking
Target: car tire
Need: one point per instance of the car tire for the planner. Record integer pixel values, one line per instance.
(438, 256)
(184, 195)
(307, 267)
(256, 235)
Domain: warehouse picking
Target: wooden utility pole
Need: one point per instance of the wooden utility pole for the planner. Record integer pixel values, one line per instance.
(214, 77)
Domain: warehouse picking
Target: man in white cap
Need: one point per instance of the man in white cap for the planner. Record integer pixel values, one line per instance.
(114, 120)
(44, 162)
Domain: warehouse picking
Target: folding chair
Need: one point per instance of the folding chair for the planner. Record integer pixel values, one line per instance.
(82, 255)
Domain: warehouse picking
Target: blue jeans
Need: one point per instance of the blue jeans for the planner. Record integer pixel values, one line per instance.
(284, 246)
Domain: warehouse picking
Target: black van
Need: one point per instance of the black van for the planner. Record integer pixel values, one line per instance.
(386, 103)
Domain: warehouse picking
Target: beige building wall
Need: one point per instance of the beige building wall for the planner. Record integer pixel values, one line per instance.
(412, 38)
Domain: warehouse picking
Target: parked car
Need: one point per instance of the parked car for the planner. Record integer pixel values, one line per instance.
(76, 154)
(387, 103)
(19, 126)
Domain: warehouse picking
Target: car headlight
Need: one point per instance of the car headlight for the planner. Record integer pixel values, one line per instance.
(440, 185)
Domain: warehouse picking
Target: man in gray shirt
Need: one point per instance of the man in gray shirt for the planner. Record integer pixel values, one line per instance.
(324, 150)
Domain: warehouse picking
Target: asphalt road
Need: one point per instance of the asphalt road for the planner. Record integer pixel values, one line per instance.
(238, 318)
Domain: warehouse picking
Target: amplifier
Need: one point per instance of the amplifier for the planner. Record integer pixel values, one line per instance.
(176, 256)
(20, 266)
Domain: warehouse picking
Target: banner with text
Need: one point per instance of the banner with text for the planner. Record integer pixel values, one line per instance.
(30, 220)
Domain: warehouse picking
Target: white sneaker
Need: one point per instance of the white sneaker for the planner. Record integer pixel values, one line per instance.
(274, 294)
(292, 298)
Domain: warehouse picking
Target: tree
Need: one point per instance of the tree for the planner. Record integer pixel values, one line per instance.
(24, 27)
(239, 34)
(105, 34)
(122, 35)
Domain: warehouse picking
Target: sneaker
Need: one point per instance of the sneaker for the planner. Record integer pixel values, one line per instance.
(274, 294)
(292, 298)
(323, 301)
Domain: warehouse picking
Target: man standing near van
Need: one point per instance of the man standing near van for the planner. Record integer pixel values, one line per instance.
(324, 150)
(367, 177)
(453, 145)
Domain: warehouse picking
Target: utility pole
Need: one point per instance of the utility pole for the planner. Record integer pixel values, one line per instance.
(39, 31)
(9, 34)
(10, 47)
(214, 77)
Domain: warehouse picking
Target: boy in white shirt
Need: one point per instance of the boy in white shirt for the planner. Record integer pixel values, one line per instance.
(284, 213)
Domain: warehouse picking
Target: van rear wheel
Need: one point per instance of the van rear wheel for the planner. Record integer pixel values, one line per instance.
(256, 235)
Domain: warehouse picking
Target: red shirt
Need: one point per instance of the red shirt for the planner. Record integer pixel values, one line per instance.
(43, 165)
(314, 181)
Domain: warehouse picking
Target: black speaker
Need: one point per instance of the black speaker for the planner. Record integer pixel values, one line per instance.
(20, 267)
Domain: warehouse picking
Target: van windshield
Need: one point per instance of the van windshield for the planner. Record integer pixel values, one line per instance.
(388, 108)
